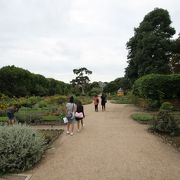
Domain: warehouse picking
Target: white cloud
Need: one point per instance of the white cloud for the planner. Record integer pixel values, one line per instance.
(54, 37)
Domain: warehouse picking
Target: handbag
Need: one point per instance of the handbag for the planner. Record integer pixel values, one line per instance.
(79, 115)
(70, 115)
(65, 120)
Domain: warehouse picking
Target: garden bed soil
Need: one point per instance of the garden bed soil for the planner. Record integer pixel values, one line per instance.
(172, 140)
(51, 134)
(48, 123)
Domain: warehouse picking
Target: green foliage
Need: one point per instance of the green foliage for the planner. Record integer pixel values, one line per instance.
(23, 83)
(121, 99)
(56, 99)
(142, 117)
(50, 118)
(84, 99)
(113, 86)
(150, 47)
(3, 119)
(165, 123)
(166, 106)
(81, 80)
(175, 60)
(42, 104)
(20, 148)
(153, 104)
(157, 87)
(177, 117)
(28, 117)
(95, 91)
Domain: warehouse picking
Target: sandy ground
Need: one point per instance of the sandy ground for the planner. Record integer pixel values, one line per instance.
(110, 147)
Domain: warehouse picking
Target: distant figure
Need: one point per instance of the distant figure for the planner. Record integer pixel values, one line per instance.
(70, 111)
(96, 102)
(79, 115)
(103, 101)
(10, 114)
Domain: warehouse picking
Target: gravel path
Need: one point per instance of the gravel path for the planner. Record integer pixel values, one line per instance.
(110, 147)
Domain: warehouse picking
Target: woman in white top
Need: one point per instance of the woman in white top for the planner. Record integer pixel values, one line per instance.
(70, 111)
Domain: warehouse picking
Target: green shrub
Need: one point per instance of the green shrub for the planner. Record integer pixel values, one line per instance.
(3, 113)
(121, 99)
(28, 118)
(50, 118)
(153, 104)
(177, 117)
(165, 123)
(42, 104)
(95, 91)
(3, 119)
(166, 106)
(157, 86)
(56, 99)
(20, 148)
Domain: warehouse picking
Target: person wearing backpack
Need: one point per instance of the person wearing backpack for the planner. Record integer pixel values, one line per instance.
(70, 111)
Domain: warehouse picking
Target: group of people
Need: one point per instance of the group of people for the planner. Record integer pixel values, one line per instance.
(103, 102)
(75, 113)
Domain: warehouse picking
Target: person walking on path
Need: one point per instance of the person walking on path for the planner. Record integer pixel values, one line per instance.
(96, 102)
(103, 101)
(79, 115)
(70, 111)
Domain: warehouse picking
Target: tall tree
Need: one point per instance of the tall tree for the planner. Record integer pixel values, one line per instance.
(82, 79)
(149, 50)
(175, 60)
(113, 86)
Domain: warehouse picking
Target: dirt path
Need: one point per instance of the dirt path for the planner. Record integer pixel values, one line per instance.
(111, 146)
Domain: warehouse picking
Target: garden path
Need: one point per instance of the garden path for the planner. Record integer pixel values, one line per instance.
(110, 147)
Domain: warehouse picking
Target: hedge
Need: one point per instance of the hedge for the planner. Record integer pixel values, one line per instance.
(158, 86)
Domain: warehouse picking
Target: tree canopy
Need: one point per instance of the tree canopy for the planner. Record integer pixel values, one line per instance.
(113, 86)
(18, 82)
(81, 79)
(149, 50)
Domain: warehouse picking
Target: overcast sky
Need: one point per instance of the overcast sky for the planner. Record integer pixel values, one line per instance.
(53, 37)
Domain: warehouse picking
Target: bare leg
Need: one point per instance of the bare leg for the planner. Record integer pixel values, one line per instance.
(82, 123)
(78, 125)
(13, 121)
(68, 125)
(9, 122)
(72, 128)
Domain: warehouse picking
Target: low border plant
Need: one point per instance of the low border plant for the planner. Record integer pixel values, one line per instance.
(20, 148)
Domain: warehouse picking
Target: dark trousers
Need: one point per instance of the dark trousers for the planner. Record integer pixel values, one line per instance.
(96, 108)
